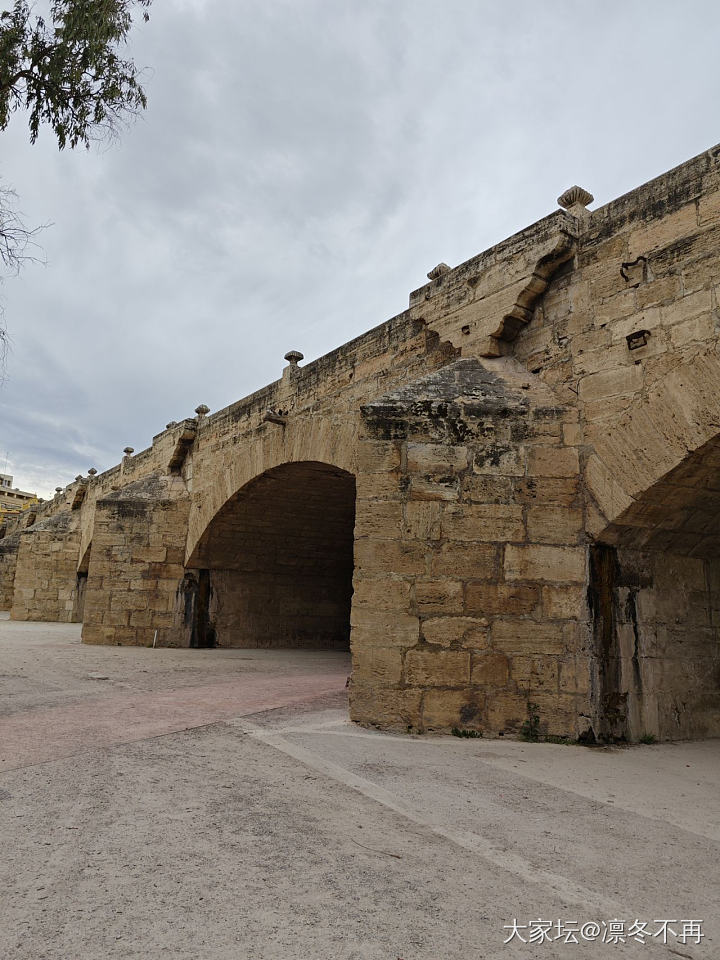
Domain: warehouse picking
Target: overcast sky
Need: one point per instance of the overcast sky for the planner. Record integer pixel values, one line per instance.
(300, 167)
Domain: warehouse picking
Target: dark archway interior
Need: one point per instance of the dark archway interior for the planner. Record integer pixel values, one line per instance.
(655, 597)
(275, 566)
(80, 586)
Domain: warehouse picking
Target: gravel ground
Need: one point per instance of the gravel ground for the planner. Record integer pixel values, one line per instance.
(217, 805)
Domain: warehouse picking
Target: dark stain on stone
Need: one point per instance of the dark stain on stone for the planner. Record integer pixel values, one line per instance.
(468, 712)
(612, 706)
(631, 613)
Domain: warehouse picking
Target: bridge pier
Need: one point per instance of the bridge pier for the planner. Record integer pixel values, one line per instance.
(45, 583)
(469, 606)
(135, 575)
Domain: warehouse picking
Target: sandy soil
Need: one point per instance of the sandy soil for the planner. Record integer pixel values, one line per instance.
(217, 805)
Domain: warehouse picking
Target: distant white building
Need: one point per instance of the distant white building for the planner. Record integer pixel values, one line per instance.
(13, 500)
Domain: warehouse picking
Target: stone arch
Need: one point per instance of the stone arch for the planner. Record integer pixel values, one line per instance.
(218, 475)
(655, 602)
(274, 566)
(670, 421)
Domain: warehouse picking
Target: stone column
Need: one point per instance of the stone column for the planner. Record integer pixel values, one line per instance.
(469, 608)
(46, 574)
(136, 568)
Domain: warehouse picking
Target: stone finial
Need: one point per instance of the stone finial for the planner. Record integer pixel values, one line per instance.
(128, 451)
(575, 200)
(58, 489)
(294, 357)
(92, 471)
(202, 411)
(438, 271)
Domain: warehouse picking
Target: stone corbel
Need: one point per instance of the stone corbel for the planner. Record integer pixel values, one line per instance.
(483, 304)
(186, 433)
(80, 493)
(521, 312)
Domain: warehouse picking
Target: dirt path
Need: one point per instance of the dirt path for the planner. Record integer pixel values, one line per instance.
(209, 807)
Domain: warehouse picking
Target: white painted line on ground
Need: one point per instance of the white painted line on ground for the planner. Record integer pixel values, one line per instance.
(504, 859)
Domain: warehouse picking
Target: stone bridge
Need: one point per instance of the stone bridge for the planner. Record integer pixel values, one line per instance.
(504, 501)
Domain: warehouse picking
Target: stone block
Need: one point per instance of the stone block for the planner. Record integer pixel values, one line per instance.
(564, 603)
(379, 519)
(553, 524)
(383, 628)
(434, 459)
(377, 666)
(545, 563)
(439, 596)
(478, 561)
(698, 330)
(437, 668)
(559, 713)
(553, 462)
(506, 711)
(685, 308)
(619, 381)
(445, 709)
(377, 456)
(387, 593)
(378, 486)
(535, 673)
(402, 557)
(385, 707)
(491, 599)
(503, 460)
(574, 676)
(433, 490)
(487, 489)
(483, 521)
(422, 521)
(469, 632)
(528, 637)
(489, 669)
(548, 491)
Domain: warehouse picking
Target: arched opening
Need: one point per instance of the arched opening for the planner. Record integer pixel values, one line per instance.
(655, 599)
(274, 567)
(80, 586)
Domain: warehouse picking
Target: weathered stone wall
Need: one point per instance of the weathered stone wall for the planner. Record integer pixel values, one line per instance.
(46, 574)
(321, 403)
(535, 443)
(658, 645)
(136, 570)
(469, 601)
(9, 546)
(649, 262)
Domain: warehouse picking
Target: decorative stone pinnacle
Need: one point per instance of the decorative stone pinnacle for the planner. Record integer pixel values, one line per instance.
(128, 450)
(58, 489)
(438, 271)
(574, 198)
(92, 471)
(294, 357)
(202, 411)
